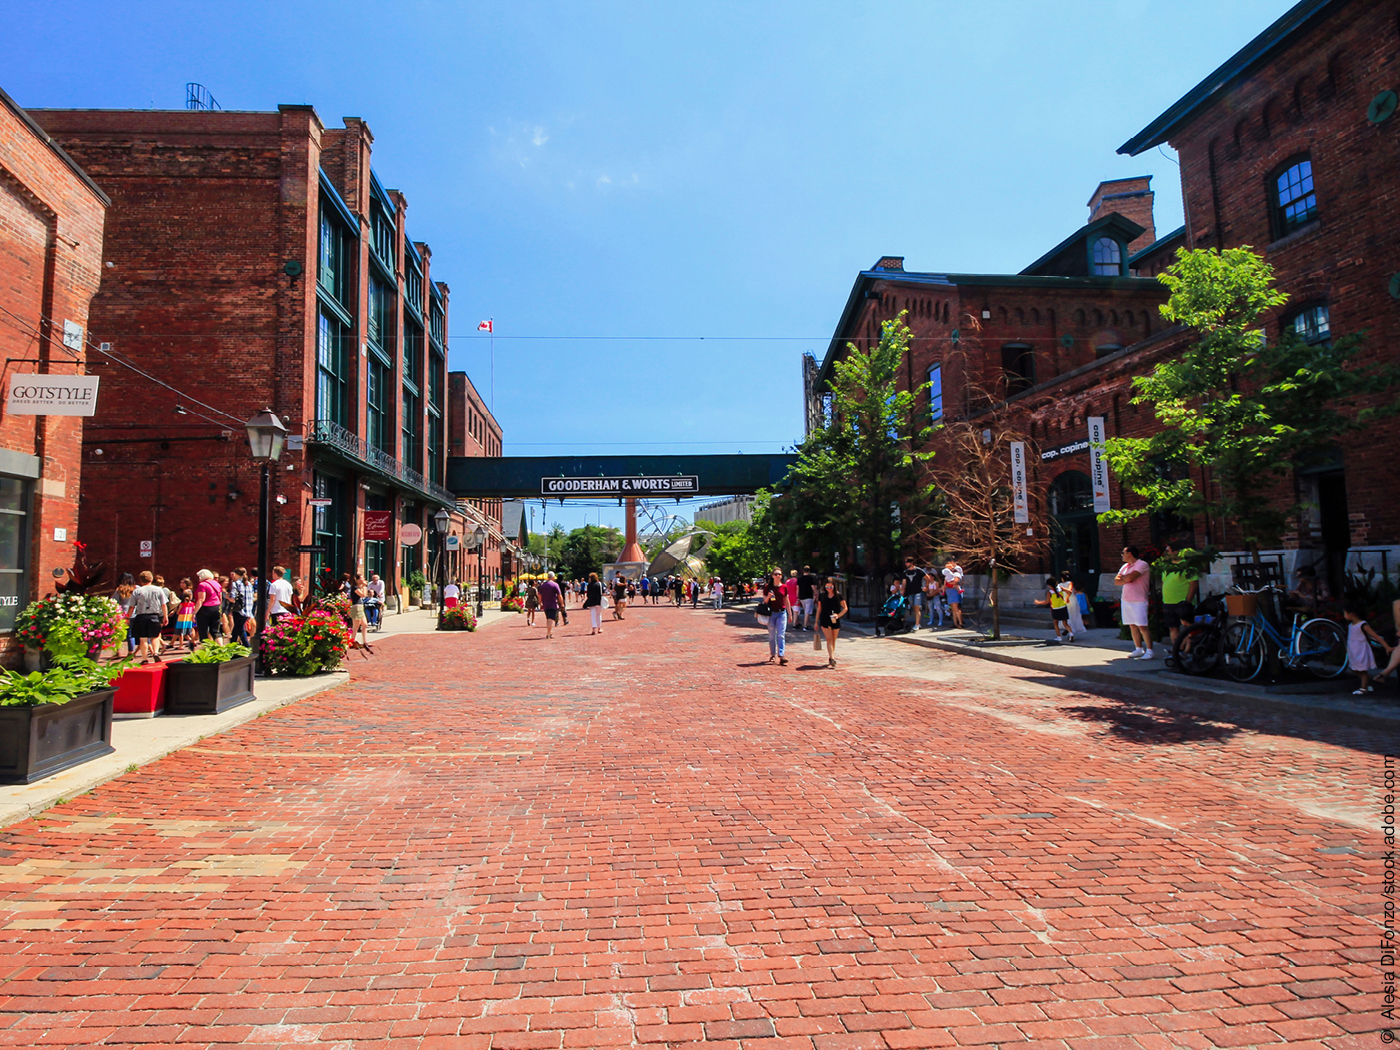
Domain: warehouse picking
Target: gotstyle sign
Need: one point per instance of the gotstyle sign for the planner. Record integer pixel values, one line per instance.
(46, 395)
(665, 485)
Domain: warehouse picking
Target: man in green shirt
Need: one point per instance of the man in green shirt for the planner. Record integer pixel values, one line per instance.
(1179, 593)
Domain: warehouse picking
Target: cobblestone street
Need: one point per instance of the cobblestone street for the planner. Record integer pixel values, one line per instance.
(652, 836)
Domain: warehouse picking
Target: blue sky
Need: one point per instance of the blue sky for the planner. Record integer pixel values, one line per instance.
(623, 169)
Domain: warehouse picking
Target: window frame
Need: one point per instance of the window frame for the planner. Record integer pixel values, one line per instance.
(1116, 263)
(1018, 380)
(1280, 225)
(1290, 323)
(935, 393)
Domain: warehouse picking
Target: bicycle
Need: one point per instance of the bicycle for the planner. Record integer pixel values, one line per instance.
(1317, 646)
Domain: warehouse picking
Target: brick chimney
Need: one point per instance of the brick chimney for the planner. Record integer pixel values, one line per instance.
(890, 262)
(1130, 198)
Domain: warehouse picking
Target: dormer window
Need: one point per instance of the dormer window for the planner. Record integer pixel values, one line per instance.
(1294, 202)
(1108, 258)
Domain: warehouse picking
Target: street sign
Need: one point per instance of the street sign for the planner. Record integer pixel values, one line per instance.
(319, 502)
(311, 548)
(636, 485)
(454, 542)
(410, 534)
(147, 548)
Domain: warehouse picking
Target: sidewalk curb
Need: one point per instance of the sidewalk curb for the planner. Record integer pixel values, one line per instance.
(1180, 686)
(79, 780)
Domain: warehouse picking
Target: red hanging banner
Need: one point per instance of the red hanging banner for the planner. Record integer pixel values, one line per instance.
(379, 524)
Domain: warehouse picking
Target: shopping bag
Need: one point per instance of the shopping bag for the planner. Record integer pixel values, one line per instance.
(817, 641)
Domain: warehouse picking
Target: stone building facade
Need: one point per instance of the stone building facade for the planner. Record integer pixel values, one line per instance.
(51, 227)
(259, 262)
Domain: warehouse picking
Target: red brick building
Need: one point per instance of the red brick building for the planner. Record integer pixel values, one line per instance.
(1289, 147)
(51, 224)
(473, 431)
(259, 261)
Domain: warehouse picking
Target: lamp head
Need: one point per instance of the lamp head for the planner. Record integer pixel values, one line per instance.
(266, 436)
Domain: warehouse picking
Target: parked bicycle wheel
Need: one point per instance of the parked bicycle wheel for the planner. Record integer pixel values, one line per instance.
(1242, 651)
(1321, 647)
(1198, 649)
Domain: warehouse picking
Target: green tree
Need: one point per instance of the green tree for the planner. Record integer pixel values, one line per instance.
(1238, 412)
(550, 546)
(861, 479)
(737, 550)
(588, 549)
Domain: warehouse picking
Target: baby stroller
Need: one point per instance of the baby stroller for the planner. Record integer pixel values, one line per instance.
(891, 617)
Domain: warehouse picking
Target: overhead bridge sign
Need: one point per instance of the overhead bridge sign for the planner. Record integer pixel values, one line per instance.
(663, 485)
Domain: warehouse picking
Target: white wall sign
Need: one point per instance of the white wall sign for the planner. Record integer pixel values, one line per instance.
(454, 542)
(60, 535)
(1098, 465)
(72, 335)
(49, 395)
(1020, 502)
(147, 548)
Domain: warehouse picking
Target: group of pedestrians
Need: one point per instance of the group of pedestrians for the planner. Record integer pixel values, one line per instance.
(937, 591)
(223, 607)
(809, 597)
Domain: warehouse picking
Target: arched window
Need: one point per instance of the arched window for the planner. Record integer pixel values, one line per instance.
(1018, 363)
(1293, 203)
(1108, 258)
(935, 394)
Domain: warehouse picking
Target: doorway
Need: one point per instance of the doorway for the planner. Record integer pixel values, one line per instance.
(1074, 531)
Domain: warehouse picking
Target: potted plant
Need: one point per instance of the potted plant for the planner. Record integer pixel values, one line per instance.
(69, 626)
(510, 603)
(56, 719)
(459, 619)
(417, 582)
(213, 678)
(303, 645)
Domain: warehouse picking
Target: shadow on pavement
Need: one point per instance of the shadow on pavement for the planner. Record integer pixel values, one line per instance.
(1147, 721)
(1144, 724)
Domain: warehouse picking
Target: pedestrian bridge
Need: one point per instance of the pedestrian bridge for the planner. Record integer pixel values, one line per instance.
(620, 477)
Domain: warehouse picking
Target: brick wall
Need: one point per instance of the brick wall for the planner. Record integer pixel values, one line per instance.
(51, 229)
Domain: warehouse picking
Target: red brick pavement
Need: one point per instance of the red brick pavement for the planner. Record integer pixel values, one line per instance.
(652, 837)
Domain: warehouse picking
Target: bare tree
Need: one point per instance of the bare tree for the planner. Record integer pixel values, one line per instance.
(974, 473)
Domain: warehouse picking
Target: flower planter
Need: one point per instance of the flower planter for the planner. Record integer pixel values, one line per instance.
(140, 692)
(37, 742)
(207, 689)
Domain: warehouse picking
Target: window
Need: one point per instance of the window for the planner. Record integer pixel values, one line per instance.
(1104, 349)
(413, 356)
(14, 549)
(1312, 324)
(413, 285)
(412, 423)
(1294, 202)
(381, 315)
(332, 258)
(935, 394)
(378, 431)
(1018, 363)
(382, 227)
(330, 369)
(437, 323)
(434, 447)
(328, 525)
(1108, 258)
(436, 368)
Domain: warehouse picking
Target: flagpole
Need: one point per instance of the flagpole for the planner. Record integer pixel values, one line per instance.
(493, 366)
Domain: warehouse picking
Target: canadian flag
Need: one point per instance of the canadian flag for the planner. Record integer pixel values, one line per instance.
(485, 326)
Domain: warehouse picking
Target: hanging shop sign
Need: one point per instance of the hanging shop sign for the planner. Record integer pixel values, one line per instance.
(379, 524)
(410, 534)
(1020, 503)
(1067, 449)
(49, 395)
(1098, 465)
(663, 485)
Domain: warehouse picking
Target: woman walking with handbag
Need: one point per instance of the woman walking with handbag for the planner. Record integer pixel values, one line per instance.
(776, 603)
(831, 607)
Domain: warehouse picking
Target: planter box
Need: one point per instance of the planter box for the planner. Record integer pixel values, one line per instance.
(207, 689)
(37, 742)
(140, 692)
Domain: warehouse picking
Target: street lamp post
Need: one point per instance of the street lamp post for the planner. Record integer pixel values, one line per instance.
(266, 435)
(441, 520)
(480, 536)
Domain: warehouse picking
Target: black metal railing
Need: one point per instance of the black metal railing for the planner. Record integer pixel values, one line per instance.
(332, 434)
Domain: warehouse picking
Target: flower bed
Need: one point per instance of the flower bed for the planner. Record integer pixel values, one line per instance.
(71, 626)
(512, 605)
(302, 645)
(458, 619)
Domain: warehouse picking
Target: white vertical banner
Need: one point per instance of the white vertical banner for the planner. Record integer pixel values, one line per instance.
(1019, 501)
(1098, 465)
